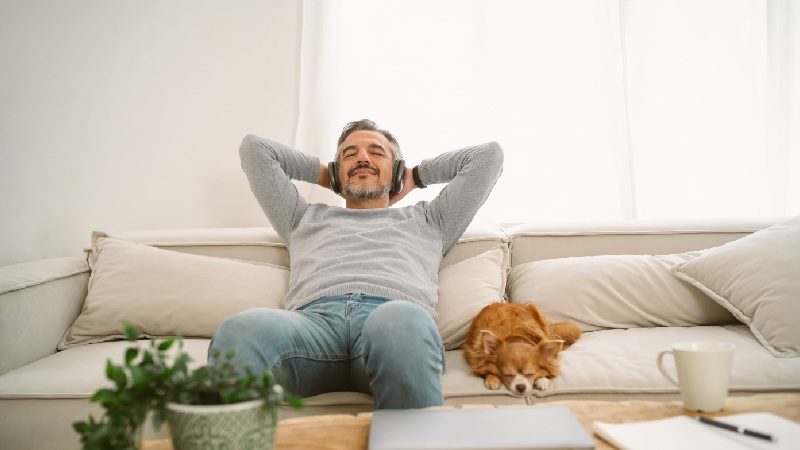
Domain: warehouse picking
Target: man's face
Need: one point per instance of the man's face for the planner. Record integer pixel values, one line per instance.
(365, 165)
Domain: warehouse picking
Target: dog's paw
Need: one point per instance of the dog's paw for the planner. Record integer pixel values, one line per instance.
(542, 383)
(491, 382)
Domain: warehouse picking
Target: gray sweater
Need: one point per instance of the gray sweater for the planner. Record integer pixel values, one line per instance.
(387, 252)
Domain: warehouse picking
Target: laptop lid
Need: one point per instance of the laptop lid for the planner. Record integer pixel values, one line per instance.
(540, 427)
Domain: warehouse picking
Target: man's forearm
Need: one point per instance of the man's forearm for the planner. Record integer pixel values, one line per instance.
(324, 179)
(470, 174)
(270, 168)
(485, 159)
(260, 153)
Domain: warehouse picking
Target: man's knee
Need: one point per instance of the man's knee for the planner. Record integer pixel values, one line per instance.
(398, 316)
(403, 356)
(242, 326)
(400, 323)
(247, 332)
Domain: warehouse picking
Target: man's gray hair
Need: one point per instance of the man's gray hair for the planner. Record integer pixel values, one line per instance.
(367, 125)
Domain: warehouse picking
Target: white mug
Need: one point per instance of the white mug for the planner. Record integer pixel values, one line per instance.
(704, 370)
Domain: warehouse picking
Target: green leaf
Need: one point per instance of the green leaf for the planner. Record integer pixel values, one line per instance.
(230, 354)
(80, 427)
(295, 402)
(116, 374)
(138, 378)
(214, 353)
(226, 395)
(159, 417)
(130, 331)
(103, 396)
(130, 355)
(166, 344)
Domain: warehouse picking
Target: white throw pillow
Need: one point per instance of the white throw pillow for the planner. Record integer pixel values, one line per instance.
(614, 291)
(757, 278)
(163, 292)
(465, 288)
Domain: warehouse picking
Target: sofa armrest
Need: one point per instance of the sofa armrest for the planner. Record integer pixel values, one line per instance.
(39, 300)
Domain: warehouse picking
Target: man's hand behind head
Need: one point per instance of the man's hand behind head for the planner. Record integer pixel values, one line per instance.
(408, 186)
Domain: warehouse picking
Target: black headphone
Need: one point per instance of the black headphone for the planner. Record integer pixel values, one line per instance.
(398, 175)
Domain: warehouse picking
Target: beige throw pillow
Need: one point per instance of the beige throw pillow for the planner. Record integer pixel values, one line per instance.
(163, 292)
(465, 288)
(614, 291)
(757, 278)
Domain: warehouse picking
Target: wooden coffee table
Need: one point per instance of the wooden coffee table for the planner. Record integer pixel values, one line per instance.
(346, 432)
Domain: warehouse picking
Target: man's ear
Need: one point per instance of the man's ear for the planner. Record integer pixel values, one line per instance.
(489, 342)
(549, 349)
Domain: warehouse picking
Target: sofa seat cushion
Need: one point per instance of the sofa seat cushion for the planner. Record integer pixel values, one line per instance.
(78, 372)
(458, 382)
(611, 362)
(624, 362)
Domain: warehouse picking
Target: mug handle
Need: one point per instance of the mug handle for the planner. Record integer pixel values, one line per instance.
(661, 367)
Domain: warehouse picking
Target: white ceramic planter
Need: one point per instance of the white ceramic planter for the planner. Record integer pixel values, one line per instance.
(239, 426)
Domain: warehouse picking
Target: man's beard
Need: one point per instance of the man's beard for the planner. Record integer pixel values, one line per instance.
(372, 191)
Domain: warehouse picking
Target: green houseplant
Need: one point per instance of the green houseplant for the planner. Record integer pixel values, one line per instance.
(150, 383)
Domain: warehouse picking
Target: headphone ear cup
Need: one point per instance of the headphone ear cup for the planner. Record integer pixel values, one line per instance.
(333, 176)
(398, 175)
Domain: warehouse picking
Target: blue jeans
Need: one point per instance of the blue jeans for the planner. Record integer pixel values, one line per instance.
(390, 349)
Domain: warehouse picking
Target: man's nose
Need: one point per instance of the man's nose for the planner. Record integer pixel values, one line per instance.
(363, 156)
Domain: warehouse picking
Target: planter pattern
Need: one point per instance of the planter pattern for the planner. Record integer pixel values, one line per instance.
(241, 426)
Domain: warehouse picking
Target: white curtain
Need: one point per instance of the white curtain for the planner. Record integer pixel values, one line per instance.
(616, 109)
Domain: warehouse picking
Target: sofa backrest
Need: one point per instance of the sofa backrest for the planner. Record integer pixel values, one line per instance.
(263, 244)
(527, 242)
(536, 242)
(259, 244)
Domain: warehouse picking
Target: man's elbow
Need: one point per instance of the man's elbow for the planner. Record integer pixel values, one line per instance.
(496, 149)
(495, 152)
(247, 146)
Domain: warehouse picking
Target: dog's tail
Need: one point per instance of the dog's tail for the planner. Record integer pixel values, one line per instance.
(565, 331)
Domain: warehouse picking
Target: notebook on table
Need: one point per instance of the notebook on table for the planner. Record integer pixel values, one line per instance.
(688, 434)
(540, 427)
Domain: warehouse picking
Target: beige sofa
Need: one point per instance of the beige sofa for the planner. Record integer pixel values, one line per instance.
(632, 287)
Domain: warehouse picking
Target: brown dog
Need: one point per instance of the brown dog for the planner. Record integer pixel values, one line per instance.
(518, 345)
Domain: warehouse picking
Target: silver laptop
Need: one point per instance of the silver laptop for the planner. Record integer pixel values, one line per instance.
(540, 427)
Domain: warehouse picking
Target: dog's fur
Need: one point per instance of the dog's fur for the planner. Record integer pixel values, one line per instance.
(518, 345)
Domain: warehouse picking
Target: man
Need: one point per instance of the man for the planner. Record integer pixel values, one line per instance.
(361, 308)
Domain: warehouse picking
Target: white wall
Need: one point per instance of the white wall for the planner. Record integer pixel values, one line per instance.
(127, 115)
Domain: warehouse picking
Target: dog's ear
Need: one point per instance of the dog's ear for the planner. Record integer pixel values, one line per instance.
(549, 349)
(489, 342)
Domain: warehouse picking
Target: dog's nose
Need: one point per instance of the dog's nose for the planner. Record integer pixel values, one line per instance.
(520, 388)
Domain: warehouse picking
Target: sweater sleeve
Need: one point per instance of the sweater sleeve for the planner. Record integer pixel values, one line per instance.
(471, 173)
(270, 168)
